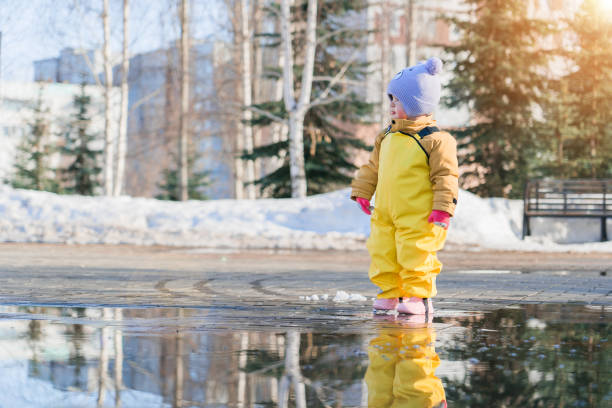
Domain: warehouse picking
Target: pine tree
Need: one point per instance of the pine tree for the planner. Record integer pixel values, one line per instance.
(82, 174)
(32, 168)
(197, 180)
(328, 146)
(560, 133)
(497, 73)
(591, 83)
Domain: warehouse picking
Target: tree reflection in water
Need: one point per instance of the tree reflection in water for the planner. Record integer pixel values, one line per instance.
(534, 356)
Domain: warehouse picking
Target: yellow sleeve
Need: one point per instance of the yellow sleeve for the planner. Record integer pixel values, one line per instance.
(364, 183)
(444, 172)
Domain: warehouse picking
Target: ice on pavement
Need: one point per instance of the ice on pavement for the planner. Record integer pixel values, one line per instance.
(325, 221)
(340, 297)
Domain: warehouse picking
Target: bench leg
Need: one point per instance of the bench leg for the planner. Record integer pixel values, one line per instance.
(604, 230)
(526, 230)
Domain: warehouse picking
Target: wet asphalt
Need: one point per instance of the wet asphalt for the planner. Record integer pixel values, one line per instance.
(154, 276)
(121, 326)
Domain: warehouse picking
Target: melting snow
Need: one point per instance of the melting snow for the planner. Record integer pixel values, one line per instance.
(326, 221)
(341, 297)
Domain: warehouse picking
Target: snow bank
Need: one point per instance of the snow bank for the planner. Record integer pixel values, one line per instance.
(21, 389)
(497, 223)
(326, 221)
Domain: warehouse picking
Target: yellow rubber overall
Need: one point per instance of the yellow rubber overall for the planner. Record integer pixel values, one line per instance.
(401, 370)
(402, 244)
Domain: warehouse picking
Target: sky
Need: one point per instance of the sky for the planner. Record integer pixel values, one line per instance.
(39, 29)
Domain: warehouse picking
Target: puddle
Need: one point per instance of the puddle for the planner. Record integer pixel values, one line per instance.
(527, 356)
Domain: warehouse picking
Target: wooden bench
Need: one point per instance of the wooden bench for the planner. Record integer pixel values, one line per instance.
(585, 198)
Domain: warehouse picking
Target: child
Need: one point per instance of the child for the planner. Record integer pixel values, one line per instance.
(413, 169)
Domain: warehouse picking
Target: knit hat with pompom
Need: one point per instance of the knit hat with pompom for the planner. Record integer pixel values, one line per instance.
(418, 87)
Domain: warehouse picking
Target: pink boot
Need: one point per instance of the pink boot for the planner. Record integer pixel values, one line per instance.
(386, 304)
(416, 306)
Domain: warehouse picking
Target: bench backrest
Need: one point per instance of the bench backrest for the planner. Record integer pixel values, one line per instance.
(576, 197)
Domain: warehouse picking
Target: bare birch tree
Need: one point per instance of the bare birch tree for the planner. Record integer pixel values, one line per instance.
(238, 166)
(184, 91)
(242, 375)
(257, 77)
(297, 108)
(411, 34)
(118, 338)
(125, 68)
(104, 355)
(179, 369)
(234, 128)
(247, 92)
(109, 151)
(292, 374)
(280, 130)
(385, 51)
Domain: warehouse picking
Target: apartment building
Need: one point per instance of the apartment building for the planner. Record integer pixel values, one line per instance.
(153, 102)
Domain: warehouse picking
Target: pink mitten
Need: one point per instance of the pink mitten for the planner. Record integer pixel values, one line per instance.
(364, 204)
(440, 218)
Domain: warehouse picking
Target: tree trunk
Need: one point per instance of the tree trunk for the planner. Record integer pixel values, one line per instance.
(118, 359)
(292, 374)
(237, 131)
(238, 164)
(279, 130)
(297, 110)
(242, 375)
(296, 155)
(273, 380)
(385, 49)
(179, 373)
(103, 364)
(184, 119)
(247, 91)
(593, 139)
(109, 151)
(125, 68)
(411, 34)
(258, 77)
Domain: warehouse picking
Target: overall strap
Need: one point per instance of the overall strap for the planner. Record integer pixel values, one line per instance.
(426, 131)
(420, 135)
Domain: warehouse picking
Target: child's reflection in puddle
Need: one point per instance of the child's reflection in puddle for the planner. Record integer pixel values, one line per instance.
(403, 360)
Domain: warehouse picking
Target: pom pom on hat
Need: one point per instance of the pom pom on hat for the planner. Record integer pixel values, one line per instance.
(434, 65)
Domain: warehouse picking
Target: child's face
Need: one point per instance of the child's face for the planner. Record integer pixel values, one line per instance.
(396, 108)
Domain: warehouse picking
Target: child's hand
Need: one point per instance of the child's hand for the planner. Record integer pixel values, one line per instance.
(364, 204)
(440, 218)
